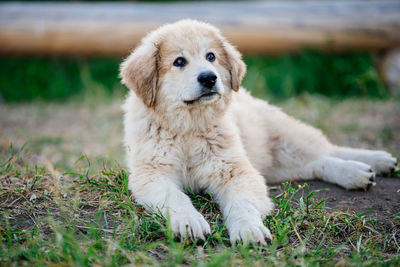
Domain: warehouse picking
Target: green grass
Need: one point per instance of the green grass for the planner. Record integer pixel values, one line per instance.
(334, 75)
(86, 217)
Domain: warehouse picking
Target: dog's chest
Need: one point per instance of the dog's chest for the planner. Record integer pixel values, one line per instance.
(202, 147)
(200, 153)
(193, 148)
(196, 156)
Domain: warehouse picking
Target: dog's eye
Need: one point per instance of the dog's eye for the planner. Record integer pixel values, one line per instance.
(180, 62)
(210, 57)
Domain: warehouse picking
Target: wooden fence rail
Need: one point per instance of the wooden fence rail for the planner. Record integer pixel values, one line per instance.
(255, 27)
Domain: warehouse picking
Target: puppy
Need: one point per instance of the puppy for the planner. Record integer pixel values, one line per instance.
(189, 124)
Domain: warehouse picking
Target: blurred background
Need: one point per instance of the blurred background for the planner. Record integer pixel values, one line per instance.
(334, 64)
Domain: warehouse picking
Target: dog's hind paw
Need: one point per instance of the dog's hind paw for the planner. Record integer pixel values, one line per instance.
(382, 162)
(356, 175)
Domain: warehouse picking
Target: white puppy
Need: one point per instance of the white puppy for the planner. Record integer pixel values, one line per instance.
(189, 124)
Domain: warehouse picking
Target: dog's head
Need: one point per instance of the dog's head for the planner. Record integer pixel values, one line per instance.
(185, 64)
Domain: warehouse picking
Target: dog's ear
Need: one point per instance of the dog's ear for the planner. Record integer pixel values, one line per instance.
(139, 72)
(237, 67)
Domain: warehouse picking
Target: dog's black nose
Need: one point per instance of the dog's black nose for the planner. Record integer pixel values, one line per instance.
(207, 79)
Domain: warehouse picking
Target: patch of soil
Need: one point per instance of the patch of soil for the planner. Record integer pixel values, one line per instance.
(381, 201)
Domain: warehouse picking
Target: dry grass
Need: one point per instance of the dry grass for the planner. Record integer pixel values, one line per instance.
(61, 132)
(58, 207)
(77, 218)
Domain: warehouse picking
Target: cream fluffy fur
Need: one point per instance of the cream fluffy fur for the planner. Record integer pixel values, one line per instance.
(228, 144)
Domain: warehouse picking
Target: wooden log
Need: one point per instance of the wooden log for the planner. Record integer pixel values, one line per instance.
(255, 27)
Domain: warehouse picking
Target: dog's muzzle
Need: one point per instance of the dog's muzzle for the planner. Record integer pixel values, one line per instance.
(208, 90)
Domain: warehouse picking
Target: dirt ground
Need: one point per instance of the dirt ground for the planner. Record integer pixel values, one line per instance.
(380, 201)
(59, 133)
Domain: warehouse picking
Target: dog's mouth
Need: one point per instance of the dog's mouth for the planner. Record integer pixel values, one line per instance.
(202, 98)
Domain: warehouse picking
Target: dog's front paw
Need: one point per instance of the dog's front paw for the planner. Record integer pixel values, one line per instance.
(382, 162)
(190, 225)
(249, 231)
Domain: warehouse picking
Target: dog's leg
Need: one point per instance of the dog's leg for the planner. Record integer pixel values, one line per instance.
(347, 167)
(162, 194)
(346, 173)
(244, 203)
(381, 162)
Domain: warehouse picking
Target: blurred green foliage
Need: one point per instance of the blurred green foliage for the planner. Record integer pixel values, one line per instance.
(27, 78)
(335, 75)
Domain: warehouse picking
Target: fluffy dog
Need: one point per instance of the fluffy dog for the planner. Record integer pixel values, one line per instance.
(188, 123)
